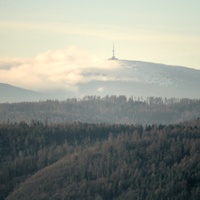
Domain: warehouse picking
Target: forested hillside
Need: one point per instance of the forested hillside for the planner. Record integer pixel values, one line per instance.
(99, 161)
(110, 109)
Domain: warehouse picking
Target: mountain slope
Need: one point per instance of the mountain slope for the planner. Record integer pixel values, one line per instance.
(131, 163)
(11, 93)
(146, 79)
(130, 78)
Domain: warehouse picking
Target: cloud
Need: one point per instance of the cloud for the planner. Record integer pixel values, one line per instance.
(55, 69)
(101, 89)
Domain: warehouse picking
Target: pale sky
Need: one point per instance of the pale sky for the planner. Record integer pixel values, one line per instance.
(147, 30)
(150, 30)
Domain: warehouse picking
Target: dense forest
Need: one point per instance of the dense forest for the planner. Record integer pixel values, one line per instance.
(109, 109)
(99, 161)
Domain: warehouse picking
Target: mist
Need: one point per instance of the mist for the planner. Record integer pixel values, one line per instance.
(55, 69)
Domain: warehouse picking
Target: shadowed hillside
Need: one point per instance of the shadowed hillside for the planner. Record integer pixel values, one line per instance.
(88, 161)
(11, 93)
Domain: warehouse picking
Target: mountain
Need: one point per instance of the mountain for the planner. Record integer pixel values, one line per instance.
(11, 93)
(129, 78)
(136, 78)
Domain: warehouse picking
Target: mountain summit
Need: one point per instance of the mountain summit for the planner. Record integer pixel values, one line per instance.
(136, 78)
(120, 77)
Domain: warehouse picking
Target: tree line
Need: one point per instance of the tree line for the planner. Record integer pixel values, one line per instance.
(109, 109)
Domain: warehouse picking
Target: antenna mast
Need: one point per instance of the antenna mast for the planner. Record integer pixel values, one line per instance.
(113, 51)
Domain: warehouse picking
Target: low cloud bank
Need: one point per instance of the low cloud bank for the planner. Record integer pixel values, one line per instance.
(56, 69)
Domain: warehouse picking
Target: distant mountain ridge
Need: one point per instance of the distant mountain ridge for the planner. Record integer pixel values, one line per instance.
(131, 78)
(11, 93)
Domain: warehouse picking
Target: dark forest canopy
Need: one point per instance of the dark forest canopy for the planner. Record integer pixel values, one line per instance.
(99, 161)
(109, 109)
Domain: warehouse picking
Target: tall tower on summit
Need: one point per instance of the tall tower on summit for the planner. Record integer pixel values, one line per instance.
(113, 51)
(113, 57)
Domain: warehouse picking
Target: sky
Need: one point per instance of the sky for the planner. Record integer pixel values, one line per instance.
(65, 31)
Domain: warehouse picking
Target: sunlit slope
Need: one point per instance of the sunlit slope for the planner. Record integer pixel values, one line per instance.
(146, 79)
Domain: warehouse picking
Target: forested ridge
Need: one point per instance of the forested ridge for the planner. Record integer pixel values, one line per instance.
(109, 109)
(99, 161)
